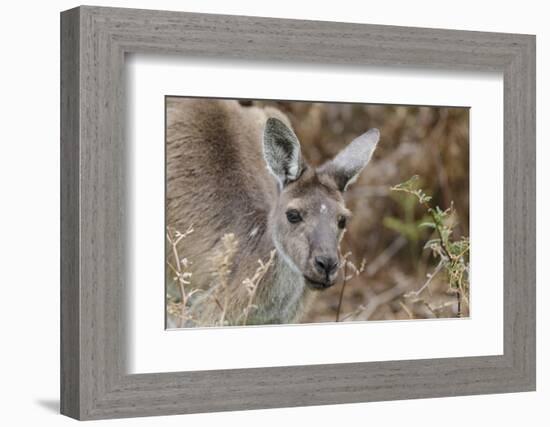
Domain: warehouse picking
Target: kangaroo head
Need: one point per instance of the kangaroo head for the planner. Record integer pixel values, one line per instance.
(310, 215)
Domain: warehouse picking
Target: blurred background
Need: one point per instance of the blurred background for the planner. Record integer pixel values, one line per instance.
(385, 231)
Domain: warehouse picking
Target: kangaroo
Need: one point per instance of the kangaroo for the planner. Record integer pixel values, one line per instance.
(239, 169)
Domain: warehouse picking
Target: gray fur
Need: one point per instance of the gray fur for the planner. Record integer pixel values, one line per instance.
(349, 163)
(282, 151)
(217, 181)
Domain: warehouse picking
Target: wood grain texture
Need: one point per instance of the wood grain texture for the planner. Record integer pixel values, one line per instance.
(70, 258)
(95, 238)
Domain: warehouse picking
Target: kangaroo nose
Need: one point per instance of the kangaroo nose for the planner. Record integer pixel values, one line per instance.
(326, 264)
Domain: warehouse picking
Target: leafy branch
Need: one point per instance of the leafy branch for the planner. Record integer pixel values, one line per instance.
(453, 254)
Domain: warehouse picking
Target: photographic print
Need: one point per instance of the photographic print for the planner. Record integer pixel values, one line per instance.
(288, 212)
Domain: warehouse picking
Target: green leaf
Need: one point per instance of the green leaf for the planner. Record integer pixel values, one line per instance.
(431, 242)
(427, 225)
(412, 186)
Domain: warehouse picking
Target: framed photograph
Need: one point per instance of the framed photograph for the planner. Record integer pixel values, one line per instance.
(260, 213)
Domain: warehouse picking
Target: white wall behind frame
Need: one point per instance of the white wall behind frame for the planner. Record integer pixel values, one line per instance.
(30, 331)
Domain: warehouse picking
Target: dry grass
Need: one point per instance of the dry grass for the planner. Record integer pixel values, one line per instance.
(211, 306)
(182, 277)
(251, 284)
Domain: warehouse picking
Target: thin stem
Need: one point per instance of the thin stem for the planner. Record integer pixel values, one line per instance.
(179, 272)
(437, 227)
(376, 301)
(409, 312)
(342, 290)
(447, 254)
(425, 285)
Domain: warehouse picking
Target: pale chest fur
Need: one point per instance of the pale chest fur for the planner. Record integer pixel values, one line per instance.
(283, 296)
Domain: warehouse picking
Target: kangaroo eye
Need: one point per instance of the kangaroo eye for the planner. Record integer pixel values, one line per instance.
(342, 222)
(293, 216)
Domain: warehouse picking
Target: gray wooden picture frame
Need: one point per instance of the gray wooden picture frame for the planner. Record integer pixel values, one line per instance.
(94, 41)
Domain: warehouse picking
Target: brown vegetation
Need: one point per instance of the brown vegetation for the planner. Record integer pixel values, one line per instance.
(400, 277)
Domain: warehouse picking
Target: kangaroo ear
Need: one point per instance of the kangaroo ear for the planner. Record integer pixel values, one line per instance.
(282, 152)
(348, 164)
